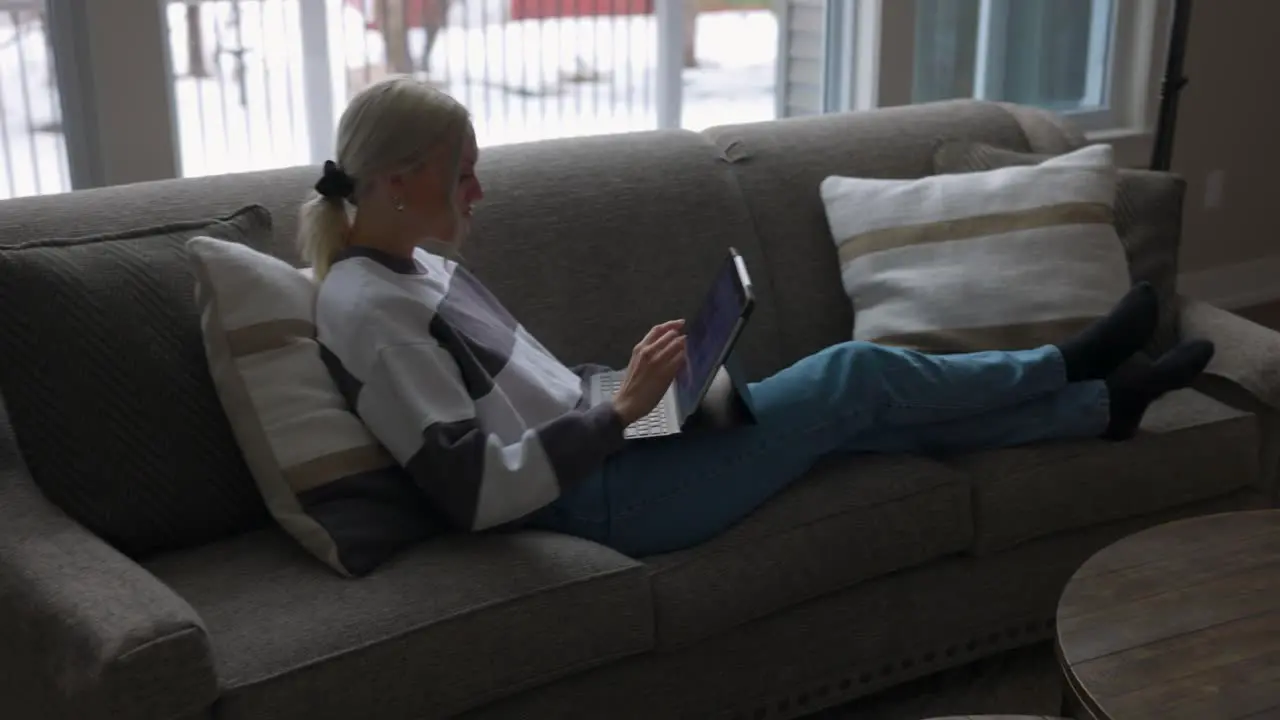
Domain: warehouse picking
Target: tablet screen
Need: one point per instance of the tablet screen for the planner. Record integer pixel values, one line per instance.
(707, 334)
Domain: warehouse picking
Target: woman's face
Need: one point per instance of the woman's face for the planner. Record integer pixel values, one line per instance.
(425, 194)
(468, 191)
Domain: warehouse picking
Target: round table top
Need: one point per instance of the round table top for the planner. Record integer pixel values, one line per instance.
(1178, 621)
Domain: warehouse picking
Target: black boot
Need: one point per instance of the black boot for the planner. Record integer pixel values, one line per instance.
(1130, 396)
(1103, 346)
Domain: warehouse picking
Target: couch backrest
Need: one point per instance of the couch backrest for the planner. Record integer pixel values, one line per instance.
(590, 241)
(121, 208)
(779, 166)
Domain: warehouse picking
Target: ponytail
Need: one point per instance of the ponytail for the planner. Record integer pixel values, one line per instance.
(323, 226)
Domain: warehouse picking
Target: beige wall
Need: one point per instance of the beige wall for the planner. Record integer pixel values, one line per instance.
(1229, 122)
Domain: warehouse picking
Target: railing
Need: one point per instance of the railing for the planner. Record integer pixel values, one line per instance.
(32, 150)
(259, 83)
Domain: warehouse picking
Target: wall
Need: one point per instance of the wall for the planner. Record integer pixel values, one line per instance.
(1229, 122)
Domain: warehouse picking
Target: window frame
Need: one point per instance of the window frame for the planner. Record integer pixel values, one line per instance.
(878, 71)
(118, 112)
(109, 79)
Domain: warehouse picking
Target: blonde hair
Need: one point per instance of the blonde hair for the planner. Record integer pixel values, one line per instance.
(394, 125)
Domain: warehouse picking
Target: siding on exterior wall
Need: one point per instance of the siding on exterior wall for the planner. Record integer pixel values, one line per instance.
(801, 84)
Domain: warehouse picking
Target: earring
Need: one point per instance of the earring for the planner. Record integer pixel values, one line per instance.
(398, 204)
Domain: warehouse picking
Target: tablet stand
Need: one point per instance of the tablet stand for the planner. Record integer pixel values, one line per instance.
(728, 403)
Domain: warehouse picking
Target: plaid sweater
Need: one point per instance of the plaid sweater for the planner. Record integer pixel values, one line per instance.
(490, 425)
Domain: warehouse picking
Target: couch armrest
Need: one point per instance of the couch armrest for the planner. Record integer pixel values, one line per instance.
(85, 632)
(1046, 132)
(1245, 371)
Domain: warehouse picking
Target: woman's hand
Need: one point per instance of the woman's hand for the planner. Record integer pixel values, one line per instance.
(653, 367)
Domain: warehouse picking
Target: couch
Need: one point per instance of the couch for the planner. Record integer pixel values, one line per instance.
(872, 571)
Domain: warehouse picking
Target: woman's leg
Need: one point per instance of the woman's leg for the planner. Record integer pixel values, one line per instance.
(667, 494)
(662, 495)
(1111, 409)
(856, 385)
(1077, 411)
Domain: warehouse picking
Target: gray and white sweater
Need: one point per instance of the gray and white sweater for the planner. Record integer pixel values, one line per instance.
(489, 423)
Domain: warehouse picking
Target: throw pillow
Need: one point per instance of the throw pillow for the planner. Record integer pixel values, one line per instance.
(106, 383)
(1148, 221)
(1007, 259)
(325, 478)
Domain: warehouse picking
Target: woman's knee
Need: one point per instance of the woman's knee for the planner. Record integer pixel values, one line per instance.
(859, 350)
(855, 359)
(827, 383)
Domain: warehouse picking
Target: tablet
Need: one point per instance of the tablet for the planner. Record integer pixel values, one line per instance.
(713, 331)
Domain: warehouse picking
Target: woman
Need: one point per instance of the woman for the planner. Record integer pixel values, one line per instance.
(495, 430)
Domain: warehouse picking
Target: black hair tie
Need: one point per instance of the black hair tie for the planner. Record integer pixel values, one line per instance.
(335, 183)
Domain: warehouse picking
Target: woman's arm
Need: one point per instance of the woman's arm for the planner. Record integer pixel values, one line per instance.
(417, 404)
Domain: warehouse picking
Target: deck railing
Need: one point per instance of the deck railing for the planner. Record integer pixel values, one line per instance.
(260, 83)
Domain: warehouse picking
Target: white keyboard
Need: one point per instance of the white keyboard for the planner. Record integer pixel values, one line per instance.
(653, 423)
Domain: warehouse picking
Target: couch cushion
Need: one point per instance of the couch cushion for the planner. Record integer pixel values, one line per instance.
(105, 377)
(851, 519)
(779, 165)
(849, 643)
(1191, 448)
(448, 625)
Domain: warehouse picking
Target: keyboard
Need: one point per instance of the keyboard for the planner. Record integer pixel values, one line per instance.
(653, 423)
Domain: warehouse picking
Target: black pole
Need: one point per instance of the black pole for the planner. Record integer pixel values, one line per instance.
(1171, 87)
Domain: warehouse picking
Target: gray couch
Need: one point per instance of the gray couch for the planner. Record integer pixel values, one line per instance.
(870, 572)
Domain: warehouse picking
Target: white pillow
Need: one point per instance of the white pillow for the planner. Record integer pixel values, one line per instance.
(1007, 259)
(323, 476)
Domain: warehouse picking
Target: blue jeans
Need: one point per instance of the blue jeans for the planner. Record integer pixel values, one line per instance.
(661, 495)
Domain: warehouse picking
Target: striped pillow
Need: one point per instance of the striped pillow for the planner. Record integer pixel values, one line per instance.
(324, 477)
(1011, 258)
(1148, 221)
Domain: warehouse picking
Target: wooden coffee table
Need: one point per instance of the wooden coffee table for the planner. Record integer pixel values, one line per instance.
(1179, 621)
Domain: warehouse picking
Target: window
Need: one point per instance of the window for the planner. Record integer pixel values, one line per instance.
(1094, 60)
(158, 88)
(155, 88)
(261, 83)
(1051, 53)
(32, 151)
